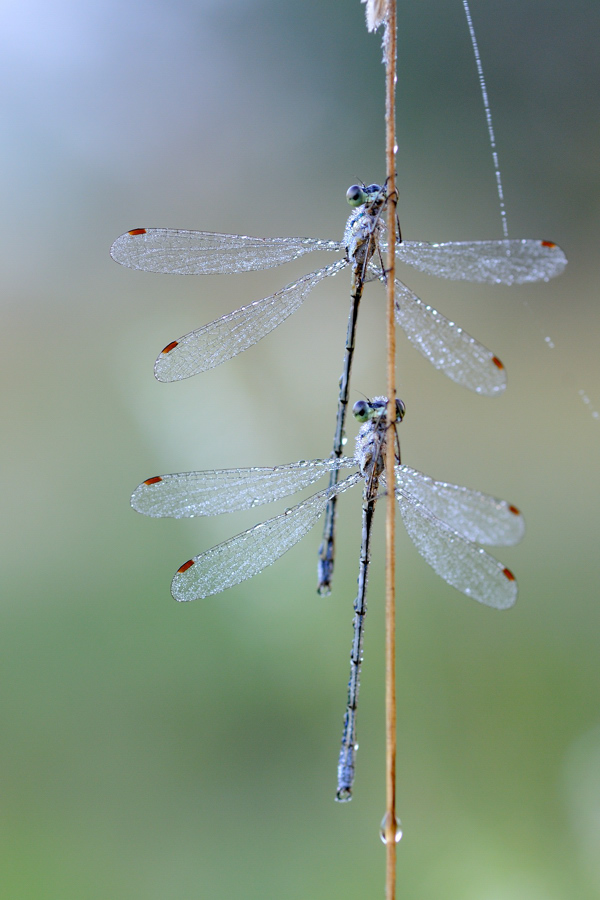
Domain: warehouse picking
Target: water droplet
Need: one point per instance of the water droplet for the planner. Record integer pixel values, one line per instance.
(397, 830)
(549, 342)
(395, 149)
(344, 441)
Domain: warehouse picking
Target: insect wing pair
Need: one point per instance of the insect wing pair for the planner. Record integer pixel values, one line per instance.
(447, 346)
(446, 522)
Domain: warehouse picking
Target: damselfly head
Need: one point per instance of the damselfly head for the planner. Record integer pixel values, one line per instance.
(363, 410)
(357, 194)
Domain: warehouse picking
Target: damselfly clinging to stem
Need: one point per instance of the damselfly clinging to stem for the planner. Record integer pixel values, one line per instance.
(443, 520)
(443, 343)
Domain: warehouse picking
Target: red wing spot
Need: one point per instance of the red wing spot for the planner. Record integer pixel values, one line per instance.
(154, 480)
(498, 362)
(548, 244)
(190, 563)
(512, 509)
(506, 572)
(170, 347)
(137, 231)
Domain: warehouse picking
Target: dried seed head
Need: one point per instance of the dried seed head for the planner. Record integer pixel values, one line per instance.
(376, 13)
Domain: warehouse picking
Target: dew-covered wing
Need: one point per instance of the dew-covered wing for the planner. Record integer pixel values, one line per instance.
(488, 262)
(176, 252)
(460, 562)
(218, 491)
(250, 552)
(224, 338)
(477, 516)
(447, 346)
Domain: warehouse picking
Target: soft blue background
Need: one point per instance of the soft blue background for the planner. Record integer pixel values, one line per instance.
(152, 750)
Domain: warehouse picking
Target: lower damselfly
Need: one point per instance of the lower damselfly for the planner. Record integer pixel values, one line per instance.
(445, 344)
(445, 522)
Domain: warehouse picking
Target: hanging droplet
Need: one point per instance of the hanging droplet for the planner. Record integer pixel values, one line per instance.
(397, 830)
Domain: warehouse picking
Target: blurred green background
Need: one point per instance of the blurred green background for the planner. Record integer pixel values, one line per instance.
(155, 750)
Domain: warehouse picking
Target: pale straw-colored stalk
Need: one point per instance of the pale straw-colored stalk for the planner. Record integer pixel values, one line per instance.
(390, 532)
(383, 12)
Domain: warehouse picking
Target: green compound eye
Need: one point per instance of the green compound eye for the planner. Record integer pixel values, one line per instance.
(361, 410)
(355, 195)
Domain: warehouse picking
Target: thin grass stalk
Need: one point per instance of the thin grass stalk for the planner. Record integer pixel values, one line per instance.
(390, 586)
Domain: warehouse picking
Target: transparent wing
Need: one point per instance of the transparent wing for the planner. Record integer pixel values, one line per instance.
(224, 490)
(169, 250)
(447, 347)
(250, 552)
(478, 517)
(224, 338)
(489, 262)
(456, 559)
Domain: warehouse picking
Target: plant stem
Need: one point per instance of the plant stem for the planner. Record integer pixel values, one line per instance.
(390, 586)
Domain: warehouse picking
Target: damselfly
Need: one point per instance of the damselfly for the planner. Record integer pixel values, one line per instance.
(443, 520)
